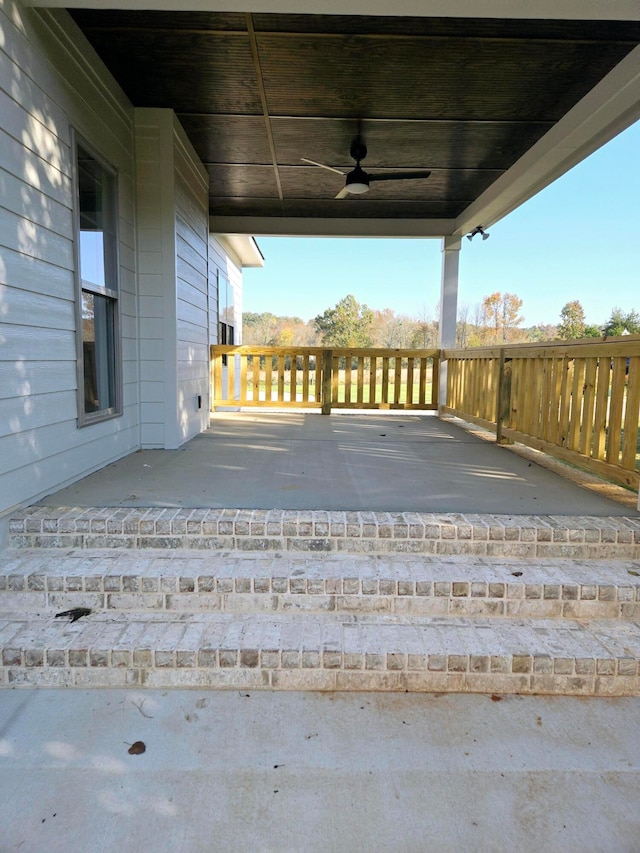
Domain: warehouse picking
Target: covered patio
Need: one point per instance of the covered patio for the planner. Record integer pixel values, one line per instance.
(381, 462)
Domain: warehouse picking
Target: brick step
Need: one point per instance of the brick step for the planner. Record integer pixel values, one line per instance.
(335, 532)
(39, 580)
(322, 652)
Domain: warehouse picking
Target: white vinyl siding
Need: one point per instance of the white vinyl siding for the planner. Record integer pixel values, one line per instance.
(192, 232)
(172, 239)
(50, 81)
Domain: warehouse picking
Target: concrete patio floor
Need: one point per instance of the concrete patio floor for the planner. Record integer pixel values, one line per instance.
(248, 771)
(366, 461)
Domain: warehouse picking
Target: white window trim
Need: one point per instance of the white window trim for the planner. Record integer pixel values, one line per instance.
(89, 418)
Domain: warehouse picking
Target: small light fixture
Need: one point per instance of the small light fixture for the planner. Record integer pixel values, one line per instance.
(357, 181)
(478, 230)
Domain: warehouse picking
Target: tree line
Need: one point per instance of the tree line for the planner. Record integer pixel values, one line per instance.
(497, 319)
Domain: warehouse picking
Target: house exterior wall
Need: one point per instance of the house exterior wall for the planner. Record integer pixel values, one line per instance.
(172, 206)
(156, 274)
(51, 81)
(192, 262)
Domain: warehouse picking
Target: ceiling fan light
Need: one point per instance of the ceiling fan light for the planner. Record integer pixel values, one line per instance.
(357, 181)
(357, 188)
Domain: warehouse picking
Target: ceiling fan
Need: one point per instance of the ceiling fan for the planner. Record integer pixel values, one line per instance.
(357, 180)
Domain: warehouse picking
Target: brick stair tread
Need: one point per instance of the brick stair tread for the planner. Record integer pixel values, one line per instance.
(349, 634)
(33, 580)
(72, 566)
(320, 531)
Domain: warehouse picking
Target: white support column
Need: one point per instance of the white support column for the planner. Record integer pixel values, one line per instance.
(448, 305)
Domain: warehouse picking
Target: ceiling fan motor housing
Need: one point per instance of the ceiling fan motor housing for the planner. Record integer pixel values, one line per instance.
(357, 180)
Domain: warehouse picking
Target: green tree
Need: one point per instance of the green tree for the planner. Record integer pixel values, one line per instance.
(572, 321)
(542, 332)
(348, 324)
(592, 332)
(620, 323)
(260, 329)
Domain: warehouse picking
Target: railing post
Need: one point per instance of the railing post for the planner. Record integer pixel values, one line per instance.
(435, 382)
(503, 404)
(327, 371)
(215, 370)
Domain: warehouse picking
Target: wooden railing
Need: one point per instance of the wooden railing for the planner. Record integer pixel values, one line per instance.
(579, 401)
(321, 378)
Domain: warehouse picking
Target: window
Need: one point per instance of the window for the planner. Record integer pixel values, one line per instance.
(99, 385)
(226, 333)
(225, 311)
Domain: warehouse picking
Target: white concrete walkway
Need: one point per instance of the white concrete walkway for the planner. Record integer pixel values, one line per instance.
(316, 772)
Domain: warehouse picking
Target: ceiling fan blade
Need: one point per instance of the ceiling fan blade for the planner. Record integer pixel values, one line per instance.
(344, 192)
(322, 166)
(400, 176)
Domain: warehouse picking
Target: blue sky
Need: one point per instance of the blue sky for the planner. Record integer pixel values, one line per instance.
(577, 239)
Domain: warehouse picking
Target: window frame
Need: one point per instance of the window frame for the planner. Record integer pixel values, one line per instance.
(111, 293)
(226, 331)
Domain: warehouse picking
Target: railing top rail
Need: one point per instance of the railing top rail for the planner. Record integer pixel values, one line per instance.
(378, 352)
(623, 345)
(385, 351)
(471, 352)
(253, 349)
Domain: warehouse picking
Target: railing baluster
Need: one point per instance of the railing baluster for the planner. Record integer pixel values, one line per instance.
(630, 451)
(293, 377)
(577, 394)
(615, 410)
(327, 381)
(347, 377)
(588, 405)
(422, 382)
(231, 371)
(409, 380)
(373, 378)
(243, 379)
(280, 379)
(602, 403)
(385, 379)
(360, 397)
(565, 401)
(268, 378)
(217, 391)
(335, 377)
(397, 380)
(305, 377)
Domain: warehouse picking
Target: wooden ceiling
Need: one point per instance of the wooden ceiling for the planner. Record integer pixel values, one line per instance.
(255, 93)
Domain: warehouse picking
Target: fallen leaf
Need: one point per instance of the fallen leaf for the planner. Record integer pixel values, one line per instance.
(137, 748)
(496, 698)
(635, 574)
(517, 574)
(75, 613)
